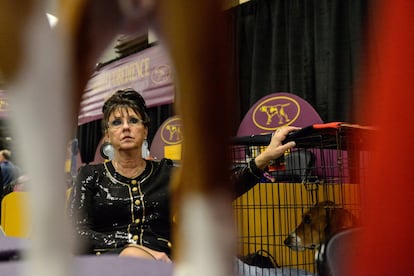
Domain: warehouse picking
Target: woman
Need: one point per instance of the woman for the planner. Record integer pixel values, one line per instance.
(123, 206)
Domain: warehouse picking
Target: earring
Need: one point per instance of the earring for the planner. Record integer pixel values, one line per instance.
(107, 150)
(145, 153)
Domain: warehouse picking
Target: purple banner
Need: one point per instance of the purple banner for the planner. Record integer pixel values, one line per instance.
(149, 72)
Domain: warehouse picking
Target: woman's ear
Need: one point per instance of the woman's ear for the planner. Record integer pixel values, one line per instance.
(146, 132)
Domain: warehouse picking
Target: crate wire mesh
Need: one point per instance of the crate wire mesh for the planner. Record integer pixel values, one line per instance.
(327, 164)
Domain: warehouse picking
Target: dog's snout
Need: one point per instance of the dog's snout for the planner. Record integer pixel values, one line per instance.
(294, 242)
(287, 241)
(291, 239)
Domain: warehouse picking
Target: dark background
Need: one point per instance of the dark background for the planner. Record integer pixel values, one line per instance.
(310, 48)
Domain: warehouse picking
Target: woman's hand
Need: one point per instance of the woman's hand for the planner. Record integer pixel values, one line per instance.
(275, 149)
(139, 251)
(160, 256)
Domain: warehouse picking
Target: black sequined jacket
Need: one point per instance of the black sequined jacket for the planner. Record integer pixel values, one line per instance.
(111, 211)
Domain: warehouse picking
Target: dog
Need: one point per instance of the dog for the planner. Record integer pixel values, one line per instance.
(48, 71)
(318, 224)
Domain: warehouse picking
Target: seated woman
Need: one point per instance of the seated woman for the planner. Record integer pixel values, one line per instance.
(122, 206)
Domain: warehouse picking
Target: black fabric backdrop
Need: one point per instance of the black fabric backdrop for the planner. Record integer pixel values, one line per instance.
(310, 48)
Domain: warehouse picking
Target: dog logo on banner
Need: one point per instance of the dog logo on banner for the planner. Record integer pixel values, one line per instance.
(161, 74)
(275, 112)
(171, 133)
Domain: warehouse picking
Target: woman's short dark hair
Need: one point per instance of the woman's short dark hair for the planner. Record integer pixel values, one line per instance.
(126, 98)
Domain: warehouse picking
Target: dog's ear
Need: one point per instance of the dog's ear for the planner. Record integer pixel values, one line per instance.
(329, 203)
(347, 219)
(332, 213)
(341, 219)
(325, 203)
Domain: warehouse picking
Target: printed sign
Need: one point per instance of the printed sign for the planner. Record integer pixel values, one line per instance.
(277, 110)
(149, 72)
(167, 140)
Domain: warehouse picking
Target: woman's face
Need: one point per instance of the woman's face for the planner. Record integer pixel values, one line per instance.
(125, 129)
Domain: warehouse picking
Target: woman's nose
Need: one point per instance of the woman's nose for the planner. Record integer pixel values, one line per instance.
(125, 124)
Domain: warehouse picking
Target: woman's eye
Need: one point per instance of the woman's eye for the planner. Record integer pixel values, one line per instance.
(116, 122)
(134, 121)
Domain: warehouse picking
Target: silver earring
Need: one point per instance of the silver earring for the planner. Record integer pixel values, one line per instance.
(145, 153)
(107, 150)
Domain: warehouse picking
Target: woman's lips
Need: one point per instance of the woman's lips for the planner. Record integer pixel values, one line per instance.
(126, 138)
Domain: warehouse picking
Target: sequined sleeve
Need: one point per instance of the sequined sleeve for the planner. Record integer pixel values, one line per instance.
(245, 177)
(81, 213)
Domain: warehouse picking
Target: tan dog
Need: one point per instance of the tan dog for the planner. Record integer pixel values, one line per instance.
(318, 224)
(48, 73)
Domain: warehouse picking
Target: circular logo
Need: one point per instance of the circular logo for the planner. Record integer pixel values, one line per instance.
(275, 112)
(171, 132)
(161, 74)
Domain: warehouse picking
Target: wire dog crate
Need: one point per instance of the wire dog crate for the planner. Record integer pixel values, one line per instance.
(326, 168)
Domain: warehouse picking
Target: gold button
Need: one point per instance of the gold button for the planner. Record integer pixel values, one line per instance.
(137, 202)
(134, 189)
(135, 237)
(169, 245)
(133, 182)
(137, 220)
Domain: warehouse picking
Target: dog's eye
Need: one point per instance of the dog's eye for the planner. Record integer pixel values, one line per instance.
(307, 219)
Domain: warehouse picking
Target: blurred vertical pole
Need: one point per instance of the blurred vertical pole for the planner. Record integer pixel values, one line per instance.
(40, 97)
(197, 37)
(385, 248)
